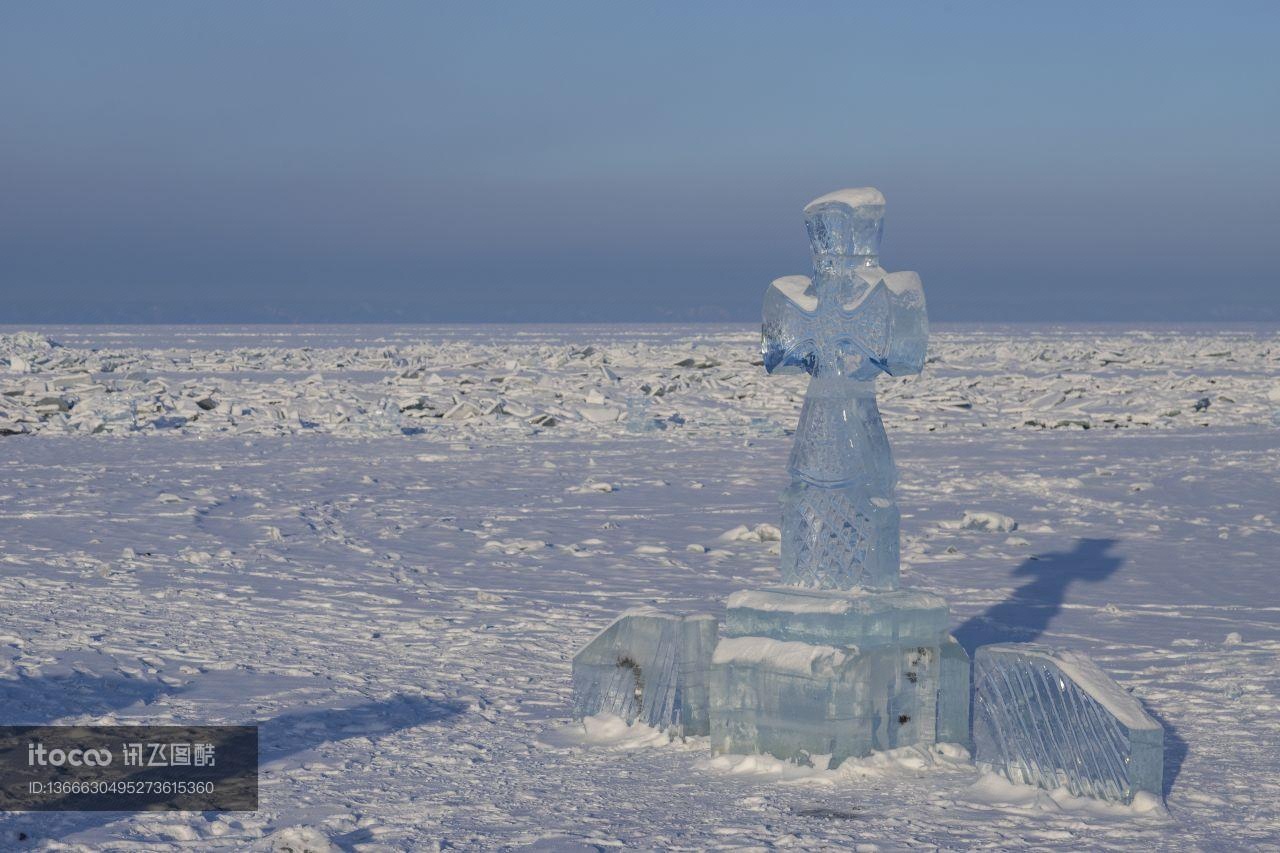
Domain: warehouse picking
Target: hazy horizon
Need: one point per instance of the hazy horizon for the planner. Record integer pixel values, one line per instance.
(572, 162)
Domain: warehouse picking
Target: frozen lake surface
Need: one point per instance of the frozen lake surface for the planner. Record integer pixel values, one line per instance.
(383, 544)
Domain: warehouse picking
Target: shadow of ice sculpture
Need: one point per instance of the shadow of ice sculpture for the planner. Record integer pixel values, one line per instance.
(648, 667)
(839, 661)
(1054, 719)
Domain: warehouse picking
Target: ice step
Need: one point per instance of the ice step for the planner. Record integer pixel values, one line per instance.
(862, 618)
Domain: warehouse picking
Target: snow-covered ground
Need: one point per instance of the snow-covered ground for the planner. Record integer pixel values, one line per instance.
(384, 545)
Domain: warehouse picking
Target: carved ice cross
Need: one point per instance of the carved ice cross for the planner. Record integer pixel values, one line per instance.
(844, 326)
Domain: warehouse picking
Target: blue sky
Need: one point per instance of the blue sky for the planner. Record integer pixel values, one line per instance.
(549, 161)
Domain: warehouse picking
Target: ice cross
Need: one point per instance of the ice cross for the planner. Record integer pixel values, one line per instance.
(844, 326)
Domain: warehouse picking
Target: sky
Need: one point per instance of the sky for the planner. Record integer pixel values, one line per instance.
(609, 161)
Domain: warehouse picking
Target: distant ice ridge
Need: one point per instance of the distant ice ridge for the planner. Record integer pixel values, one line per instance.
(1054, 719)
(648, 667)
(582, 380)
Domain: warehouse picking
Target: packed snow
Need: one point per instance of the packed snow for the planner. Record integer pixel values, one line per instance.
(384, 544)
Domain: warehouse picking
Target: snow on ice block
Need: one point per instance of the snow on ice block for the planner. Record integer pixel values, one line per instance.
(1052, 718)
(804, 672)
(648, 666)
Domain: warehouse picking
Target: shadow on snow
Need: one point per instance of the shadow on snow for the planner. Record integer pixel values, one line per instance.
(1027, 612)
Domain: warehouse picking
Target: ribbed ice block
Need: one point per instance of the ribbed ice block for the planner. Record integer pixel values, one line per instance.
(1052, 718)
(648, 666)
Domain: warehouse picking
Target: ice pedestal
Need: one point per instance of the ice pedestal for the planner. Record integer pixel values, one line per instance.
(840, 662)
(802, 672)
(648, 666)
(1054, 719)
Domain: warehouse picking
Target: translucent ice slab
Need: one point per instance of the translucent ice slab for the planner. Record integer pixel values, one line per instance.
(856, 617)
(648, 666)
(826, 672)
(794, 699)
(953, 694)
(1054, 719)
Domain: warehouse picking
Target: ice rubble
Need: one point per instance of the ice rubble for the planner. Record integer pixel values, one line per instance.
(434, 380)
(1052, 718)
(982, 520)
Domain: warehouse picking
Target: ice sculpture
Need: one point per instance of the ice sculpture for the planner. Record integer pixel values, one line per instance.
(839, 661)
(845, 326)
(648, 666)
(1054, 719)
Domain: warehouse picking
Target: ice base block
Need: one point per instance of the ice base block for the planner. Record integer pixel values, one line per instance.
(800, 672)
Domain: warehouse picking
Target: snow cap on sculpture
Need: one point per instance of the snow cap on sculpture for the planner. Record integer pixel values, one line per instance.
(848, 222)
